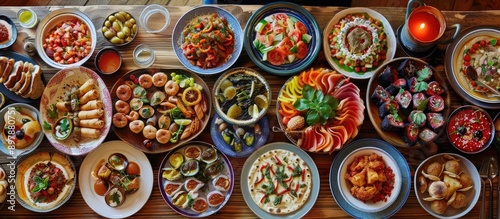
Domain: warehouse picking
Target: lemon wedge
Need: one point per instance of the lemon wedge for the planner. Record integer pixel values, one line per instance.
(182, 122)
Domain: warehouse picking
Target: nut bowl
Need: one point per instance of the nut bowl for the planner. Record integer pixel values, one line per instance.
(467, 187)
(120, 28)
(470, 129)
(241, 96)
(54, 20)
(346, 186)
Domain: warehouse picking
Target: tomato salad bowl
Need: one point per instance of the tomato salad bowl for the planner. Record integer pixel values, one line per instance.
(65, 38)
(282, 38)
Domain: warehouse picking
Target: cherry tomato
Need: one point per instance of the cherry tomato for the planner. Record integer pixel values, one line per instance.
(299, 25)
(267, 40)
(301, 50)
(266, 28)
(475, 45)
(467, 57)
(281, 16)
(296, 35)
(483, 43)
(472, 50)
(276, 57)
(357, 69)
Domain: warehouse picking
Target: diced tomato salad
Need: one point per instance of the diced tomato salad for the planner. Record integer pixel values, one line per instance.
(68, 42)
(281, 39)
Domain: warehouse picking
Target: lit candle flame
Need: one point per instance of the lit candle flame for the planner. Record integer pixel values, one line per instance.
(422, 26)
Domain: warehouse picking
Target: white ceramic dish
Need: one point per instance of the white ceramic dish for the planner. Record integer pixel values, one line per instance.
(472, 195)
(26, 109)
(391, 41)
(346, 186)
(50, 21)
(135, 201)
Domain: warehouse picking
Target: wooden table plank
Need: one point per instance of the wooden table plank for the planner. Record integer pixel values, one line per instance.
(325, 206)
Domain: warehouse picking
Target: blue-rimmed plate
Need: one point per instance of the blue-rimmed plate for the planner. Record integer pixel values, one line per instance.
(13, 32)
(206, 189)
(336, 189)
(299, 213)
(259, 138)
(9, 94)
(295, 12)
(188, 17)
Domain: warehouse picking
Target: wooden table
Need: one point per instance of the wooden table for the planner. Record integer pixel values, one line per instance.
(325, 206)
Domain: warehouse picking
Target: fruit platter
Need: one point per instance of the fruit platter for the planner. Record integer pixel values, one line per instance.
(237, 115)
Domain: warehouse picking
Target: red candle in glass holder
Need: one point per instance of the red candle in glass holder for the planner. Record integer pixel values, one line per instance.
(424, 26)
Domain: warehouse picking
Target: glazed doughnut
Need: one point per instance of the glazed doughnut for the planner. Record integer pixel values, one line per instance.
(124, 92)
(136, 126)
(171, 87)
(163, 136)
(146, 81)
(159, 79)
(119, 120)
(133, 115)
(149, 132)
(122, 107)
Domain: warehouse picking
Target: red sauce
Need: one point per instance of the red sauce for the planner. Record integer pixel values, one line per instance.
(4, 33)
(469, 130)
(216, 199)
(109, 61)
(424, 26)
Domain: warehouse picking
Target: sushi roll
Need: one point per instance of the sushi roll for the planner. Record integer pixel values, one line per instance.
(404, 98)
(424, 73)
(380, 95)
(434, 89)
(407, 69)
(435, 121)
(392, 122)
(419, 101)
(410, 134)
(388, 76)
(416, 86)
(394, 88)
(417, 118)
(427, 135)
(435, 103)
(388, 107)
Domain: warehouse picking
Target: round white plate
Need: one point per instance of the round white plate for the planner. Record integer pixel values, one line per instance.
(135, 201)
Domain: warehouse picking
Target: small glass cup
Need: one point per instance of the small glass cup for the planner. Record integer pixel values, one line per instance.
(27, 18)
(144, 56)
(154, 18)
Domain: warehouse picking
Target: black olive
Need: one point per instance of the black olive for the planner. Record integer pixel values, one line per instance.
(147, 143)
(24, 120)
(461, 130)
(478, 134)
(19, 134)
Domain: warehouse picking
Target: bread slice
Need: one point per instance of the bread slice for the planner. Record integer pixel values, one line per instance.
(21, 80)
(37, 86)
(27, 82)
(4, 61)
(6, 70)
(15, 75)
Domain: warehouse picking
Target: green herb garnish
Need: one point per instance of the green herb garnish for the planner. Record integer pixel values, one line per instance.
(47, 126)
(277, 200)
(319, 107)
(115, 198)
(52, 111)
(40, 184)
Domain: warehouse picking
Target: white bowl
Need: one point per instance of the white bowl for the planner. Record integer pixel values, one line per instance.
(391, 41)
(25, 109)
(50, 21)
(346, 186)
(472, 194)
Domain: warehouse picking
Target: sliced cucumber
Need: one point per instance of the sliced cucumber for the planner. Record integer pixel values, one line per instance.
(306, 38)
(266, 49)
(264, 57)
(260, 26)
(278, 37)
(294, 49)
(258, 45)
(291, 58)
(290, 25)
(269, 18)
(294, 19)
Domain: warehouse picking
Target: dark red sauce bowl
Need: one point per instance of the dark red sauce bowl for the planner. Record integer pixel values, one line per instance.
(470, 129)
